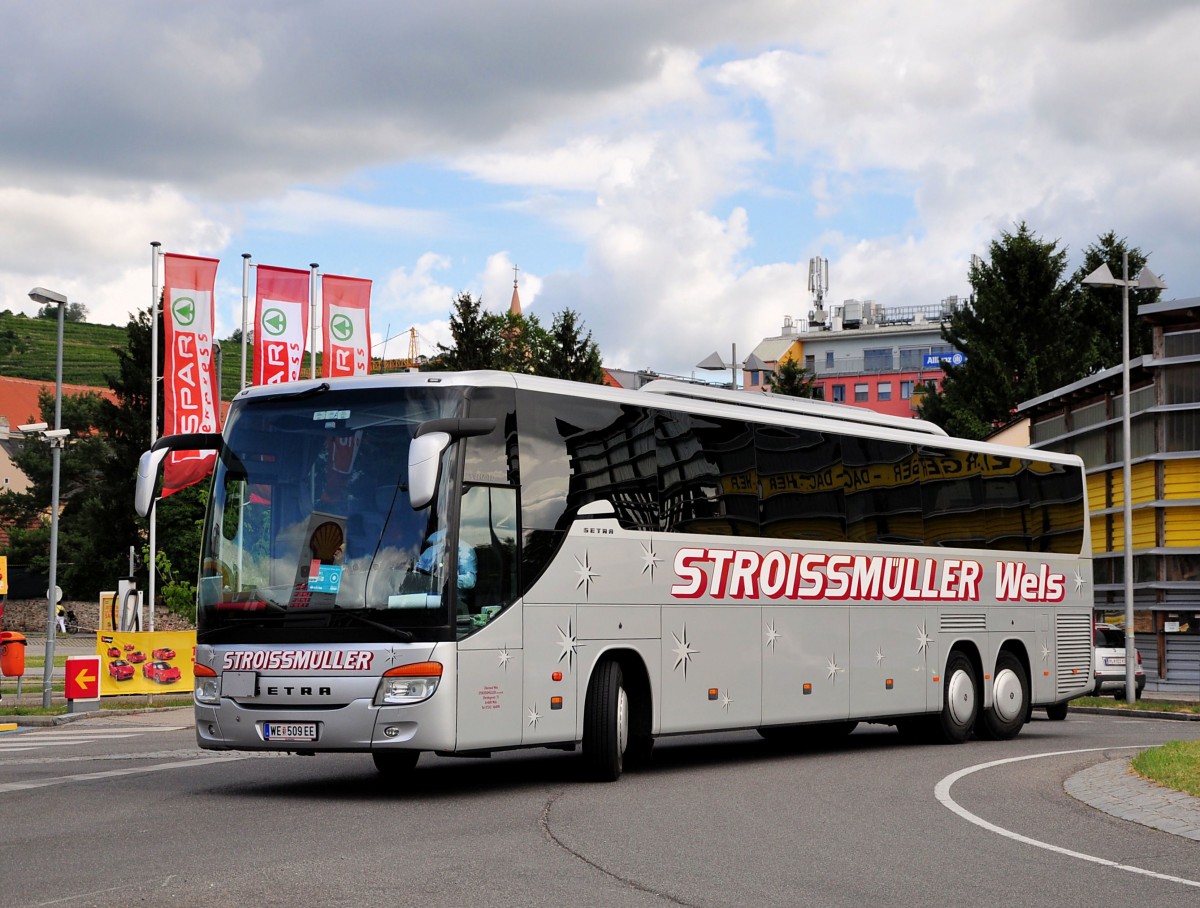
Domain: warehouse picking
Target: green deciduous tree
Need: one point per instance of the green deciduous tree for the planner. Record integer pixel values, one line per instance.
(793, 380)
(518, 343)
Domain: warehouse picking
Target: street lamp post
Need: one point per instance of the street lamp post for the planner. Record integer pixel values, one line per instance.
(56, 437)
(713, 363)
(1147, 280)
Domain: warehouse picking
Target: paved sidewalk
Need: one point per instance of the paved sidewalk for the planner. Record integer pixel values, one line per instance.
(1115, 789)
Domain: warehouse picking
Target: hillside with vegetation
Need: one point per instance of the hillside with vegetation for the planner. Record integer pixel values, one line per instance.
(28, 347)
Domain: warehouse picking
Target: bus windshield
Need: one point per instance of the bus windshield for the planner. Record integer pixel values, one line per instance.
(310, 532)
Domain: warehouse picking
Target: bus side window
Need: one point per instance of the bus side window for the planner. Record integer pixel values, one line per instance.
(488, 526)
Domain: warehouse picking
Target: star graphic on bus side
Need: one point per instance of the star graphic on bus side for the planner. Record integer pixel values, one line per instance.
(586, 575)
(1045, 652)
(391, 656)
(505, 657)
(1080, 580)
(772, 635)
(533, 716)
(834, 668)
(879, 655)
(683, 650)
(569, 645)
(650, 559)
(725, 701)
(923, 638)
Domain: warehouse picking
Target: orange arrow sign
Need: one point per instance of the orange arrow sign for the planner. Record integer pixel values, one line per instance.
(83, 684)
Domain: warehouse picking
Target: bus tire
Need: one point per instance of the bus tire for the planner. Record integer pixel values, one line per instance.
(1003, 720)
(1056, 712)
(606, 723)
(960, 700)
(395, 763)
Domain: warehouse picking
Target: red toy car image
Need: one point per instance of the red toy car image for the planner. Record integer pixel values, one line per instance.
(161, 672)
(114, 652)
(165, 654)
(136, 656)
(120, 670)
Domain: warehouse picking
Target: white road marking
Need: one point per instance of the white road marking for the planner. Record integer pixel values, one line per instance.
(19, 742)
(6, 788)
(942, 792)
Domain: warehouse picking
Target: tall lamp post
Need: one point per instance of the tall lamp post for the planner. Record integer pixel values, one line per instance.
(57, 438)
(713, 363)
(1147, 280)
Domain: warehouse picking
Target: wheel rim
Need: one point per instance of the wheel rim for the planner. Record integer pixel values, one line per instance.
(1008, 698)
(622, 720)
(960, 695)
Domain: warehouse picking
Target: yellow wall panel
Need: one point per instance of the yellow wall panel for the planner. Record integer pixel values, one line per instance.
(1181, 526)
(1181, 479)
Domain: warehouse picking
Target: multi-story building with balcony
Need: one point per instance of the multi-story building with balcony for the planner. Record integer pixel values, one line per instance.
(864, 354)
(1086, 418)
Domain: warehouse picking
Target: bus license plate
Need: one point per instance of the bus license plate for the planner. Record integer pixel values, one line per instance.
(289, 731)
(1114, 660)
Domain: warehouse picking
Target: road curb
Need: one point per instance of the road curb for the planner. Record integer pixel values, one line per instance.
(1136, 713)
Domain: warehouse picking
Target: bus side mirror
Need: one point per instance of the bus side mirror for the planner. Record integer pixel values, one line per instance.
(424, 463)
(151, 461)
(147, 476)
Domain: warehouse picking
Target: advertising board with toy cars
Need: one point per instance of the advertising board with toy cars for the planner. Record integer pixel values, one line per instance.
(146, 662)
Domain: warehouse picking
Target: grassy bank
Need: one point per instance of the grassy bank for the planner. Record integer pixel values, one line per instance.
(1176, 765)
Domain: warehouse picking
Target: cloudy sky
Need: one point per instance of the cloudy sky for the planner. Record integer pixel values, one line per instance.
(666, 168)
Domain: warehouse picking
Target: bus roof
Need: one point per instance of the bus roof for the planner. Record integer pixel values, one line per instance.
(786, 404)
(693, 398)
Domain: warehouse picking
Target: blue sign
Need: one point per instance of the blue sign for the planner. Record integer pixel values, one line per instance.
(327, 579)
(935, 360)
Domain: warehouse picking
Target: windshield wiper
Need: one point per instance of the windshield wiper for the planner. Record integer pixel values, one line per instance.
(379, 625)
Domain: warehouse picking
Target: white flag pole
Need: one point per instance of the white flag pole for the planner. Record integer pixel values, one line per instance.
(245, 304)
(156, 296)
(312, 299)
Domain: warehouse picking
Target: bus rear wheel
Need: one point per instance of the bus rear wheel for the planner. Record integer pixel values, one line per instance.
(960, 700)
(606, 723)
(1010, 701)
(395, 763)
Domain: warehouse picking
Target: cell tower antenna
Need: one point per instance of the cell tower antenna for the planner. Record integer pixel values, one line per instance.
(818, 286)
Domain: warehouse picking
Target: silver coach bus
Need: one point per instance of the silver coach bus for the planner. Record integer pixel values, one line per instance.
(468, 562)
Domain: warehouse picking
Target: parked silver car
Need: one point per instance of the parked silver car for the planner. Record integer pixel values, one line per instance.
(1109, 663)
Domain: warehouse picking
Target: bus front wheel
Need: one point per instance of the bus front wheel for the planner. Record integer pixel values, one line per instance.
(960, 699)
(1010, 701)
(606, 723)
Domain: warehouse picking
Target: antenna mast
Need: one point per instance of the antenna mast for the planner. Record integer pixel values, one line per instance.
(818, 286)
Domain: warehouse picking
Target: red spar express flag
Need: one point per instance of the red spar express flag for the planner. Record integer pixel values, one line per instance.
(346, 325)
(280, 324)
(190, 392)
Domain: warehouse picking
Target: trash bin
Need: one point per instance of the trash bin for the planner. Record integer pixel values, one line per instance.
(12, 653)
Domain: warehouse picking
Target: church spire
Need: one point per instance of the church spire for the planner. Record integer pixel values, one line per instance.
(514, 308)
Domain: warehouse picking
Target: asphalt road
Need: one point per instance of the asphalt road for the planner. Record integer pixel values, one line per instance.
(126, 810)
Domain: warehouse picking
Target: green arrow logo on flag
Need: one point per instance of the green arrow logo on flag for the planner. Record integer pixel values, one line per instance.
(184, 310)
(341, 327)
(274, 322)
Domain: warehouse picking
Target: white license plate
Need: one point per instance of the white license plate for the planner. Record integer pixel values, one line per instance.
(289, 731)
(1114, 660)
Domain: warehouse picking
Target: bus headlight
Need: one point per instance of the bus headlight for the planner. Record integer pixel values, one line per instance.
(406, 684)
(208, 685)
